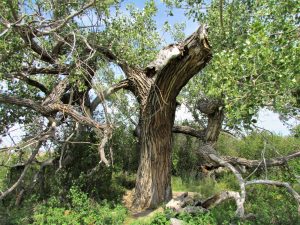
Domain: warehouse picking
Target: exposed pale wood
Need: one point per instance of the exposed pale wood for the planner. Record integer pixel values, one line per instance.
(239, 197)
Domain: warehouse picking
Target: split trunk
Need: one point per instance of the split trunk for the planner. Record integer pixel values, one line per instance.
(157, 88)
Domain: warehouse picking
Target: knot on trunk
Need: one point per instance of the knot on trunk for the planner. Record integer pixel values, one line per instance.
(209, 106)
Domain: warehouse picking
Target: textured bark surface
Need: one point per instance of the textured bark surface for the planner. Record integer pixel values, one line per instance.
(158, 88)
(154, 174)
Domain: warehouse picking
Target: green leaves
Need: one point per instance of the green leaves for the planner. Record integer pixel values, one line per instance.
(255, 57)
(132, 34)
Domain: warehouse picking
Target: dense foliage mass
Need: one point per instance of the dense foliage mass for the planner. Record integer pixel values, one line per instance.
(82, 87)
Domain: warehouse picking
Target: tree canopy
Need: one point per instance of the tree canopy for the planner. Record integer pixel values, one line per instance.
(95, 84)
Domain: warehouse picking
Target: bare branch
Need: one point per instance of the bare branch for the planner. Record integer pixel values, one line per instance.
(65, 21)
(279, 161)
(240, 199)
(28, 80)
(40, 141)
(219, 198)
(189, 131)
(105, 94)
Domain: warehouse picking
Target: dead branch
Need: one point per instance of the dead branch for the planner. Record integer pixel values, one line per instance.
(248, 163)
(189, 131)
(278, 184)
(219, 198)
(239, 197)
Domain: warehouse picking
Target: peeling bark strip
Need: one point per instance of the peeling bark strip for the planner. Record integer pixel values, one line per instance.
(157, 88)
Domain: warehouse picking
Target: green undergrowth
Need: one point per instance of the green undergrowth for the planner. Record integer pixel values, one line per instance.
(80, 209)
(204, 187)
(270, 205)
(72, 198)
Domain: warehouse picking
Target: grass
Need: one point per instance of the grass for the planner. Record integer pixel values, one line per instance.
(205, 187)
(143, 218)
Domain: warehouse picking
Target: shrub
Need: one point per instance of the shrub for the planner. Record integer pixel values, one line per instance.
(81, 210)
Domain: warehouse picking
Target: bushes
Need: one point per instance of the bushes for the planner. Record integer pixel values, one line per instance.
(164, 218)
(272, 205)
(81, 210)
(77, 209)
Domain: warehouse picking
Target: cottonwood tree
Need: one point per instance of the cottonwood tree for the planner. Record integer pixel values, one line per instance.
(55, 56)
(45, 39)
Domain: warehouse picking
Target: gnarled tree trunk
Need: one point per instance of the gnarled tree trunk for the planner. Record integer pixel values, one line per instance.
(162, 81)
(154, 174)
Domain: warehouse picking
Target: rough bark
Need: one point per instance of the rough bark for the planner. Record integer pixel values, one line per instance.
(176, 64)
(189, 131)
